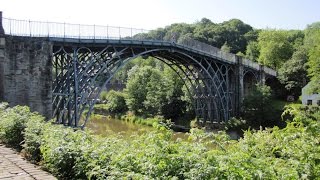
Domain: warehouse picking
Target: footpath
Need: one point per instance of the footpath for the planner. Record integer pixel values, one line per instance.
(13, 166)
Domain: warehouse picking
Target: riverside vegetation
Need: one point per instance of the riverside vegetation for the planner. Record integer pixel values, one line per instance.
(289, 153)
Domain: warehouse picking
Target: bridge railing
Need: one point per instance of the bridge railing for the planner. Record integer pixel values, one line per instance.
(206, 48)
(66, 30)
(79, 31)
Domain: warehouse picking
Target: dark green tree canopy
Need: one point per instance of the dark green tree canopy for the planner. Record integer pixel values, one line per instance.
(293, 73)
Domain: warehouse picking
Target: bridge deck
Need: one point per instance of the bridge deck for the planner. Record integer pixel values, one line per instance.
(217, 55)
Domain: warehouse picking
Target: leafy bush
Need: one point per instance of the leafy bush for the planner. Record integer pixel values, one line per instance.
(61, 151)
(103, 96)
(12, 125)
(289, 153)
(116, 102)
(257, 108)
(33, 138)
(140, 120)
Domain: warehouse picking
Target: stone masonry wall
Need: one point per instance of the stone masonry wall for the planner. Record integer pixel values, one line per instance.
(26, 73)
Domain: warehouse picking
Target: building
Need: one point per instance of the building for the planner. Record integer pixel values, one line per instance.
(309, 99)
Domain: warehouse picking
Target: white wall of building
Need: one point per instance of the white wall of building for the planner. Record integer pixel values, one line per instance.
(315, 98)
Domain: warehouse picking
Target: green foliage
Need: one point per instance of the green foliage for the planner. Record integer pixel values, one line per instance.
(103, 95)
(62, 151)
(306, 115)
(293, 72)
(140, 120)
(257, 108)
(289, 153)
(314, 62)
(145, 90)
(240, 54)
(175, 105)
(252, 51)
(236, 124)
(12, 125)
(152, 92)
(102, 109)
(225, 48)
(276, 47)
(33, 137)
(116, 103)
(233, 32)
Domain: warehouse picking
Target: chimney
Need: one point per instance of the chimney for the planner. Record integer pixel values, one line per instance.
(1, 27)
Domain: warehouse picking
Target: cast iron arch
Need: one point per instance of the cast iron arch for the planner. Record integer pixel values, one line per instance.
(81, 72)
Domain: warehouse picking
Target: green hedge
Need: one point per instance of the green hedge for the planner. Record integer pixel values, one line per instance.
(289, 153)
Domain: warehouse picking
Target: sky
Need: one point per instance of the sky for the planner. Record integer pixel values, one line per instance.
(152, 14)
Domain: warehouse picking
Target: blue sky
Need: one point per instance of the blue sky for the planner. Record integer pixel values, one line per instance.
(150, 14)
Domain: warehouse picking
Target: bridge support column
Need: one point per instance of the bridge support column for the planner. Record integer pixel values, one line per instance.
(239, 84)
(26, 73)
(262, 75)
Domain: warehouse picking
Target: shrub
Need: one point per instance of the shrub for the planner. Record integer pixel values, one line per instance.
(103, 96)
(116, 102)
(33, 138)
(12, 125)
(257, 108)
(62, 149)
(289, 153)
(140, 120)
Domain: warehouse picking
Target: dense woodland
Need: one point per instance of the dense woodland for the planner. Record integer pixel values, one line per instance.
(153, 89)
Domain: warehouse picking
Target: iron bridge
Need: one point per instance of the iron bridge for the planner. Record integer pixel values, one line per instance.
(85, 58)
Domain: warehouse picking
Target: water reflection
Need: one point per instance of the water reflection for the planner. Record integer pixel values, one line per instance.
(106, 126)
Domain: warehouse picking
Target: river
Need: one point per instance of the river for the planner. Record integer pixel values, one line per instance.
(104, 126)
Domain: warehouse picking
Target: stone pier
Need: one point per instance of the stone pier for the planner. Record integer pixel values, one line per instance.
(25, 73)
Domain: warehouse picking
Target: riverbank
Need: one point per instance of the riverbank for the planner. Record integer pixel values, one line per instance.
(101, 110)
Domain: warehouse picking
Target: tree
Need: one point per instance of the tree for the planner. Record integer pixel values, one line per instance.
(232, 31)
(240, 54)
(293, 73)
(225, 48)
(235, 34)
(252, 51)
(175, 31)
(275, 48)
(312, 44)
(175, 105)
(257, 107)
(116, 102)
(314, 67)
(311, 32)
(203, 31)
(146, 90)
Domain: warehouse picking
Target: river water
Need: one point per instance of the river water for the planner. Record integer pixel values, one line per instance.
(106, 126)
